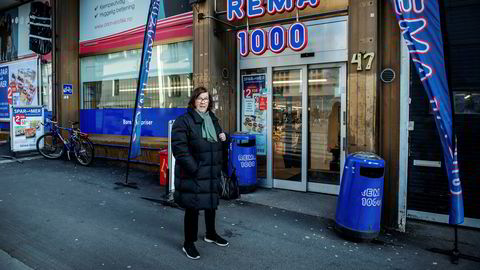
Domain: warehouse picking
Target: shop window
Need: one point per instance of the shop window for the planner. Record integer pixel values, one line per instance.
(110, 81)
(46, 85)
(253, 108)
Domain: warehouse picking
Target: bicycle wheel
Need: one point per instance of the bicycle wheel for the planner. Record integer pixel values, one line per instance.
(84, 151)
(50, 146)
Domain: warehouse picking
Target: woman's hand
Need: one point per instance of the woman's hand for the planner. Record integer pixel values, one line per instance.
(222, 137)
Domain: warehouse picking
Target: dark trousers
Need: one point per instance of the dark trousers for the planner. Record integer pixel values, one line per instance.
(191, 224)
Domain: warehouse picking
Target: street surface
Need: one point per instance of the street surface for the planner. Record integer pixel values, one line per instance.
(60, 215)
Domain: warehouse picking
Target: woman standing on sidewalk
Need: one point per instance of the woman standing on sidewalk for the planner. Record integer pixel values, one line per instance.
(197, 147)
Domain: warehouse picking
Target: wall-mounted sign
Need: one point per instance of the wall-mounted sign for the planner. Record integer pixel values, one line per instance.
(278, 38)
(357, 59)
(67, 89)
(119, 121)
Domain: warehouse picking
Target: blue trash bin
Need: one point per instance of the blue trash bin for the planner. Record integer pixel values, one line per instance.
(242, 156)
(359, 203)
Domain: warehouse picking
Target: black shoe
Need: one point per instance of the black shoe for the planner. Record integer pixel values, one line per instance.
(217, 240)
(191, 251)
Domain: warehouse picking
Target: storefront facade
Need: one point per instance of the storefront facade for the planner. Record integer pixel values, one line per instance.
(300, 127)
(310, 104)
(99, 49)
(25, 76)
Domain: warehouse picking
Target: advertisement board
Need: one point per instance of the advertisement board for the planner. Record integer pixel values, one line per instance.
(18, 85)
(254, 109)
(101, 18)
(119, 121)
(26, 127)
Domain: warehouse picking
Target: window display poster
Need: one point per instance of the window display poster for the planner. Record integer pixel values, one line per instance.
(254, 109)
(18, 85)
(26, 127)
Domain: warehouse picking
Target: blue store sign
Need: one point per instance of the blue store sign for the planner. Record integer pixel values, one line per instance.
(67, 89)
(119, 121)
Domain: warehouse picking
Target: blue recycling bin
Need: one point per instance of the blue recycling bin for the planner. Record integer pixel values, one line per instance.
(359, 203)
(242, 156)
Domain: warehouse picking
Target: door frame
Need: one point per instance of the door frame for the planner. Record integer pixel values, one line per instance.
(336, 28)
(303, 185)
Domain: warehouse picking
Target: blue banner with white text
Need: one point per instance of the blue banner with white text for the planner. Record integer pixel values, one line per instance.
(148, 40)
(419, 22)
(4, 93)
(119, 121)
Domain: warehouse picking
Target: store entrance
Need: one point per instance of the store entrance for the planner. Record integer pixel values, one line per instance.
(304, 148)
(307, 127)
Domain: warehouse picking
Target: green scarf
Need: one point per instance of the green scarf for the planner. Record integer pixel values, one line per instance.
(208, 129)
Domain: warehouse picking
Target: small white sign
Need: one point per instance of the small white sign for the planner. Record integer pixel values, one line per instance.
(411, 125)
(249, 104)
(427, 163)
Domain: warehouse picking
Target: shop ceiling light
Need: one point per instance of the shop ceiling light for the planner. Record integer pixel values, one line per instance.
(287, 82)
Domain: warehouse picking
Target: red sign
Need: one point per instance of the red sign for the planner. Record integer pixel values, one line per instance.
(19, 118)
(263, 103)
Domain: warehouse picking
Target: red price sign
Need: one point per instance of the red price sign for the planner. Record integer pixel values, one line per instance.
(248, 93)
(19, 118)
(263, 103)
(250, 90)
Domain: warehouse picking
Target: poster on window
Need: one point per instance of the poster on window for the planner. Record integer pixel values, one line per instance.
(18, 85)
(4, 94)
(26, 127)
(254, 109)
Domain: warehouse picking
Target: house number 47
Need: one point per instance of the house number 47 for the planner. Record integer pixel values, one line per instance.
(357, 59)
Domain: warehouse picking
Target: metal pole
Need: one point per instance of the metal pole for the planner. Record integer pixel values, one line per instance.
(54, 60)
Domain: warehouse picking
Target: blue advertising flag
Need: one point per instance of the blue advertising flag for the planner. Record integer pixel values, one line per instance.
(419, 23)
(148, 40)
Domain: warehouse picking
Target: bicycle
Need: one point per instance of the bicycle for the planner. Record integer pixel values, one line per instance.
(52, 145)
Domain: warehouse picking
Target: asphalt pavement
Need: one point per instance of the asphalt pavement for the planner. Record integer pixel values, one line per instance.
(56, 214)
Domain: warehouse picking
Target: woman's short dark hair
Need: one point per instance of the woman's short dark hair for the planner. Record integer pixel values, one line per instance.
(197, 92)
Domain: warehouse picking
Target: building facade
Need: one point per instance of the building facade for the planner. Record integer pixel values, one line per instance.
(313, 82)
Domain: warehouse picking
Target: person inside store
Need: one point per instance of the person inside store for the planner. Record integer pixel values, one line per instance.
(197, 145)
(333, 136)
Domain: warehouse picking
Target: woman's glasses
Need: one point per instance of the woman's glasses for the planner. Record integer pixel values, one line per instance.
(199, 99)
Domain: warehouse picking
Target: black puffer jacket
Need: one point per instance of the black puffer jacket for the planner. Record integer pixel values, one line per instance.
(198, 162)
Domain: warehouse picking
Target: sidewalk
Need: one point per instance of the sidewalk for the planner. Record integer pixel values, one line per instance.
(10, 263)
(425, 234)
(313, 204)
(83, 201)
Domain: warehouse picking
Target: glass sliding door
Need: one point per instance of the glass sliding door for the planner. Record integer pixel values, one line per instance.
(298, 114)
(287, 135)
(324, 125)
(308, 127)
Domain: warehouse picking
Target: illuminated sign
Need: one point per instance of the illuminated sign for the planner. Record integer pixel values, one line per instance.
(277, 38)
